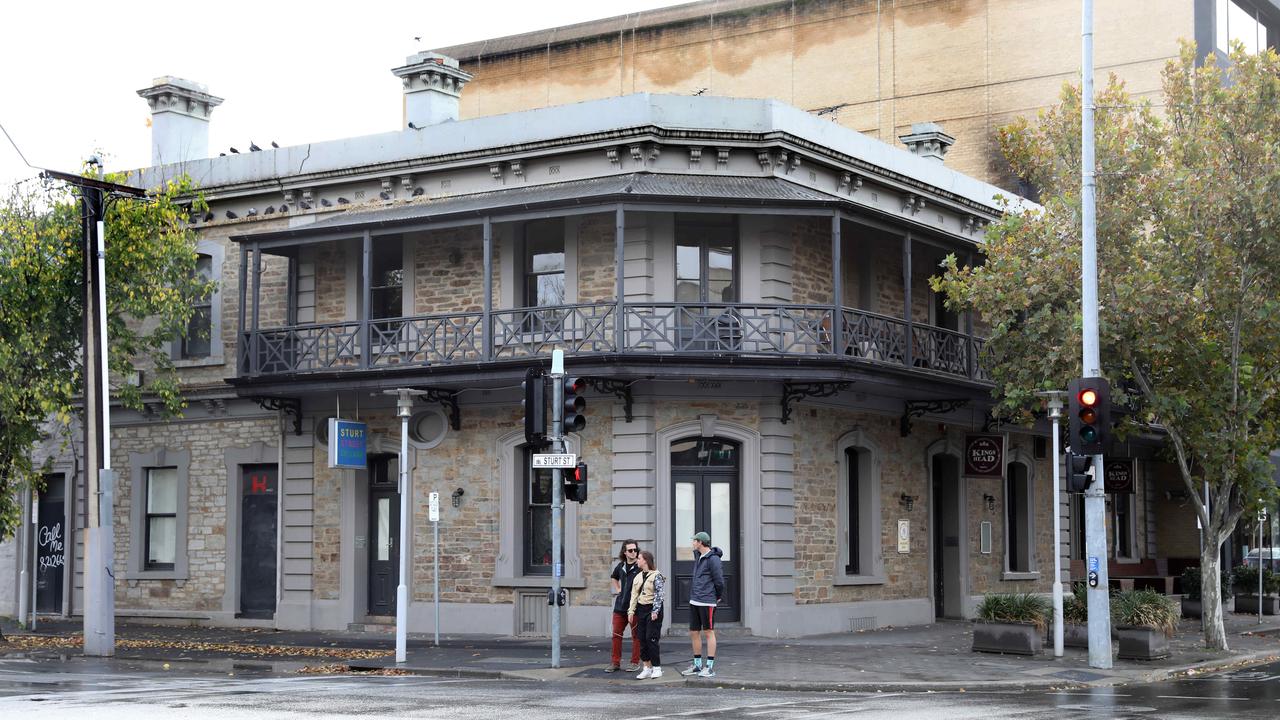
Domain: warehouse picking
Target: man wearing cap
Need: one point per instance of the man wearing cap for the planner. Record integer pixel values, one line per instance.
(706, 589)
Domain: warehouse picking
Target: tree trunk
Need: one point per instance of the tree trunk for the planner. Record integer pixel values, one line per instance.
(1215, 636)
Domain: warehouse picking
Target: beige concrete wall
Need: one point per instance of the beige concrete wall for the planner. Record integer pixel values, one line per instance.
(970, 65)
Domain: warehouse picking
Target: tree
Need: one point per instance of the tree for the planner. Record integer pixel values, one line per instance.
(1188, 273)
(151, 284)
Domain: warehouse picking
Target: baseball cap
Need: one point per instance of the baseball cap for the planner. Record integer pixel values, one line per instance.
(703, 538)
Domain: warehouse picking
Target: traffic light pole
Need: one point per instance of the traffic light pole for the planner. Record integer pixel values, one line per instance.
(557, 500)
(1095, 504)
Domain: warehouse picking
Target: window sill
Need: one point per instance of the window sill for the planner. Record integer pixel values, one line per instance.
(859, 580)
(200, 362)
(1015, 576)
(538, 581)
(133, 577)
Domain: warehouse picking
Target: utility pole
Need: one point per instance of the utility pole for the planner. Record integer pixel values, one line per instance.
(557, 501)
(1095, 504)
(404, 409)
(99, 545)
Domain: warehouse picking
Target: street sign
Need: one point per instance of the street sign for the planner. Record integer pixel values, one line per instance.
(434, 507)
(348, 444)
(555, 460)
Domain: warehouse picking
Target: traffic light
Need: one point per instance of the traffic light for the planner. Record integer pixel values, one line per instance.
(1080, 472)
(575, 483)
(535, 407)
(574, 404)
(1090, 419)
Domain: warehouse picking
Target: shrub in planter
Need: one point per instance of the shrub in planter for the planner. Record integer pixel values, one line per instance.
(1012, 623)
(1144, 620)
(1247, 599)
(1075, 617)
(1191, 600)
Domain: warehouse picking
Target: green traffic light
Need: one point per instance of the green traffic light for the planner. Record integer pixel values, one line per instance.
(1088, 434)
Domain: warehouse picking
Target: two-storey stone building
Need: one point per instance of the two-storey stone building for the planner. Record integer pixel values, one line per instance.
(745, 285)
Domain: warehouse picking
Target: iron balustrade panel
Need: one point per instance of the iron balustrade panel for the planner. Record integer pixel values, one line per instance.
(940, 350)
(536, 331)
(426, 340)
(981, 360)
(874, 337)
(304, 348)
(676, 328)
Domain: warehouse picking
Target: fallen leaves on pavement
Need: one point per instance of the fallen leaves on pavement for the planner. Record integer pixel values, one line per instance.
(340, 669)
(37, 642)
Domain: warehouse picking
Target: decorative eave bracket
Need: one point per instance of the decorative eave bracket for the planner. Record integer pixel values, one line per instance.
(449, 399)
(291, 407)
(795, 392)
(919, 408)
(619, 388)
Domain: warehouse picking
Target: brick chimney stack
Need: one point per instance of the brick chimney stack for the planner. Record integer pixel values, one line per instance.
(180, 112)
(432, 85)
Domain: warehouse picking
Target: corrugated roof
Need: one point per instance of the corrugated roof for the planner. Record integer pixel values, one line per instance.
(633, 187)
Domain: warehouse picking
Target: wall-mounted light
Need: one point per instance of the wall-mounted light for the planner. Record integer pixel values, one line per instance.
(457, 497)
(991, 502)
(907, 501)
(455, 256)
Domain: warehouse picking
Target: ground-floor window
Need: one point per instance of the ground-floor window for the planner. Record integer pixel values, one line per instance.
(537, 517)
(1123, 513)
(1018, 511)
(1077, 526)
(161, 522)
(858, 509)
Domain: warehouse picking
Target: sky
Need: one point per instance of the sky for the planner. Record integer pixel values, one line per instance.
(289, 72)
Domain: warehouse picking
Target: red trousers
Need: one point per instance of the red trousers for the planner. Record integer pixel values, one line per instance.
(620, 624)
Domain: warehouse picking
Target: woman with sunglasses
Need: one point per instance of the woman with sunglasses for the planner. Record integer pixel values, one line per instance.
(646, 608)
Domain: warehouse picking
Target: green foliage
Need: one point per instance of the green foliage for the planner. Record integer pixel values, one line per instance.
(1191, 583)
(1247, 580)
(150, 263)
(1016, 608)
(1188, 273)
(1075, 607)
(1145, 608)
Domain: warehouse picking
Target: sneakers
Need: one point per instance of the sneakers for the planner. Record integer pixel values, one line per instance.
(707, 672)
(646, 673)
(612, 669)
(633, 667)
(657, 673)
(691, 670)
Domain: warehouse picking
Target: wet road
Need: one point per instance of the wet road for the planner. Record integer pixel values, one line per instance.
(80, 687)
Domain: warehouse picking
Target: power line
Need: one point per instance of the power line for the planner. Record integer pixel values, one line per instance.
(16, 148)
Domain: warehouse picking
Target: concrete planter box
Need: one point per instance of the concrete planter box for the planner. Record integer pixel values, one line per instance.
(1248, 604)
(1191, 608)
(1142, 643)
(1076, 636)
(1007, 638)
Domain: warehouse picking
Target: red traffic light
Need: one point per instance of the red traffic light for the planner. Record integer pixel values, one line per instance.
(1089, 398)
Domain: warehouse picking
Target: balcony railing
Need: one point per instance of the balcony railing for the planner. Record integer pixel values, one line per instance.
(684, 329)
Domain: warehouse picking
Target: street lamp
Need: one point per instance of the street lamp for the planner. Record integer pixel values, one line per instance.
(1054, 398)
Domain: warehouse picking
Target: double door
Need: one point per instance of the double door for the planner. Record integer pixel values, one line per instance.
(705, 500)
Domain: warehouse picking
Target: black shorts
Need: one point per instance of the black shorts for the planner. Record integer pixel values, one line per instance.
(701, 617)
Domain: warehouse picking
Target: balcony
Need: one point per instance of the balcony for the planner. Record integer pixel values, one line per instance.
(746, 330)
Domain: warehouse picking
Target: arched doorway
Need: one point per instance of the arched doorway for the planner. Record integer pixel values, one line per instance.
(705, 487)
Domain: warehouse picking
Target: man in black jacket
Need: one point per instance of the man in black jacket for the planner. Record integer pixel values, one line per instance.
(623, 575)
(706, 590)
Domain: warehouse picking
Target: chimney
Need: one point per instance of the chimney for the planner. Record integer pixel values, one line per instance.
(180, 112)
(928, 141)
(432, 84)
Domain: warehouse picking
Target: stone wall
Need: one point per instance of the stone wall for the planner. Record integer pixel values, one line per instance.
(596, 276)
(811, 279)
(207, 507)
(449, 271)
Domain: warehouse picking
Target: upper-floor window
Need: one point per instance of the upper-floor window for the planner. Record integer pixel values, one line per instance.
(544, 263)
(386, 278)
(197, 340)
(1237, 20)
(706, 259)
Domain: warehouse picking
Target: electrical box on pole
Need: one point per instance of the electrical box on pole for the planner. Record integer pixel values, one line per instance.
(1089, 419)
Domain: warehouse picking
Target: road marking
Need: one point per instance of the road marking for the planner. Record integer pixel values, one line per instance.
(1197, 697)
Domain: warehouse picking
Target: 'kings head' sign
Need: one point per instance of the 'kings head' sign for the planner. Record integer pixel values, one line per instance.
(984, 455)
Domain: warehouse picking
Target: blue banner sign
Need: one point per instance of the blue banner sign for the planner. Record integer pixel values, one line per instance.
(348, 444)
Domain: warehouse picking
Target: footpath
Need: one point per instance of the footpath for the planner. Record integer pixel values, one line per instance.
(919, 658)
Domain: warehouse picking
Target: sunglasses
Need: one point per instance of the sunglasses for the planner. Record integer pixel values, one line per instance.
(634, 550)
